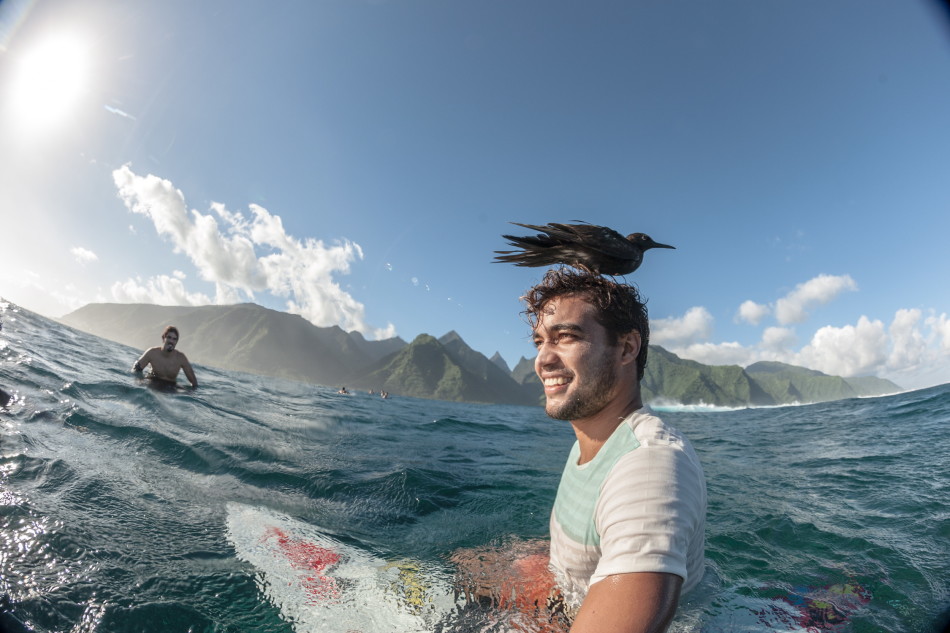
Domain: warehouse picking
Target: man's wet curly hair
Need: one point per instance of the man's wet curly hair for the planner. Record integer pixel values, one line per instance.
(619, 307)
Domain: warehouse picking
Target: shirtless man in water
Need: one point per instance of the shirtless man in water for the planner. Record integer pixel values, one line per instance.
(166, 361)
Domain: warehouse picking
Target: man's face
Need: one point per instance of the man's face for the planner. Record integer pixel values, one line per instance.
(169, 341)
(576, 363)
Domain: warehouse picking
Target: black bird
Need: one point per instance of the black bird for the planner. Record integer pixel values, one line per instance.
(596, 249)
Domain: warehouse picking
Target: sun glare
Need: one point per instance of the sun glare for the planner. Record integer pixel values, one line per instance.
(49, 80)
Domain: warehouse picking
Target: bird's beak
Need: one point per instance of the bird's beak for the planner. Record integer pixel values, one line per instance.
(657, 245)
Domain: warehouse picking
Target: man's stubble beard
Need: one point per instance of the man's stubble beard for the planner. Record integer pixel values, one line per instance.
(589, 399)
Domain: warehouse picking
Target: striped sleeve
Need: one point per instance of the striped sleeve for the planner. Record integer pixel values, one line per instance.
(651, 513)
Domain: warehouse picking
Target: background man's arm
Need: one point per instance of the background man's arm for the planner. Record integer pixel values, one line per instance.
(640, 602)
(142, 362)
(189, 372)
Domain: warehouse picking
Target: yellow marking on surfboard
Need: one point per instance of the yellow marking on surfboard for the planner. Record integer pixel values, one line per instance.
(411, 587)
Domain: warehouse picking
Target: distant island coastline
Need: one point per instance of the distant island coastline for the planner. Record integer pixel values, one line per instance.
(250, 338)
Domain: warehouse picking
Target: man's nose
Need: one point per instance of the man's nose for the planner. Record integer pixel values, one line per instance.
(547, 355)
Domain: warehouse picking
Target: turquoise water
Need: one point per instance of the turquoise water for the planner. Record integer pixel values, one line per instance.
(113, 495)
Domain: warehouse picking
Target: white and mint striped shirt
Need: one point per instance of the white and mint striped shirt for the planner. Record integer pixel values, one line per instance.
(639, 505)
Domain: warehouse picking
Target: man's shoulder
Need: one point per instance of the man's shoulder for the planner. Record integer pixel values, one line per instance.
(650, 429)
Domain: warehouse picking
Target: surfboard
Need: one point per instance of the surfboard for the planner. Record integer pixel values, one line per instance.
(321, 584)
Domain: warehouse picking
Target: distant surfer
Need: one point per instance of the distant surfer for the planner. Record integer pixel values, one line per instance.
(166, 361)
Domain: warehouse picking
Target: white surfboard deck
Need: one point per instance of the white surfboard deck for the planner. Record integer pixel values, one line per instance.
(322, 585)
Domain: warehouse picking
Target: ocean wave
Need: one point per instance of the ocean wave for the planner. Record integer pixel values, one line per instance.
(113, 495)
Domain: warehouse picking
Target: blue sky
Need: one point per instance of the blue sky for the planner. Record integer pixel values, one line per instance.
(357, 162)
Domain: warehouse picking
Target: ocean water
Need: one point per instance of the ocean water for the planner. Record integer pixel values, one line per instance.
(115, 496)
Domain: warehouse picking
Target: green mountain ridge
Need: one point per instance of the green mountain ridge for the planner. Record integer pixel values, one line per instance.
(250, 338)
(427, 368)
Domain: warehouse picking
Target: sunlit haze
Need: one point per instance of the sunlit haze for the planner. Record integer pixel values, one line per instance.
(47, 81)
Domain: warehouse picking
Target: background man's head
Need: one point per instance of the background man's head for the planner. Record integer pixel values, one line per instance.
(618, 306)
(170, 338)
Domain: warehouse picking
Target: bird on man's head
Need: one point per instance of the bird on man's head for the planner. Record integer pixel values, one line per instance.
(597, 249)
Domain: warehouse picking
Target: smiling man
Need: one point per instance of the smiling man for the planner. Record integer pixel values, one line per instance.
(627, 528)
(166, 361)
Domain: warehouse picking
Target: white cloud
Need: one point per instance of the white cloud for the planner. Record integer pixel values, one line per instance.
(752, 312)
(851, 350)
(695, 326)
(121, 113)
(908, 347)
(717, 353)
(224, 249)
(83, 255)
(913, 352)
(162, 290)
(778, 339)
(940, 326)
(383, 333)
(793, 307)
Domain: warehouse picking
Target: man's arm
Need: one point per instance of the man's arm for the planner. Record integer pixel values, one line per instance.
(513, 577)
(638, 602)
(189, 372)
(142, 362)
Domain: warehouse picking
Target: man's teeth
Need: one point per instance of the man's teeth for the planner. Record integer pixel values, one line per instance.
(551, 382)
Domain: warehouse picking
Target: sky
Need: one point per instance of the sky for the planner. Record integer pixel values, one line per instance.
(358, 161)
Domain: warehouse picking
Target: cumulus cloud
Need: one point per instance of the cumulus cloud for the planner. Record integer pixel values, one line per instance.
(163, 290)
(851, 350)
(908, 347)
(730, 353)
(793, 307)
(913, 351)
(940, 326)
(83, 255)
(224, 247)
(695, 326)
(752, 312)
(778, 339)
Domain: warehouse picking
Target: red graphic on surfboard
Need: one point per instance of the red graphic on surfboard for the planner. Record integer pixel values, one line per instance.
(321, 584)
(309, 557)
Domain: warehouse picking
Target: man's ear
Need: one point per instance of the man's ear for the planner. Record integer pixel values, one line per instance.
(630, 343)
